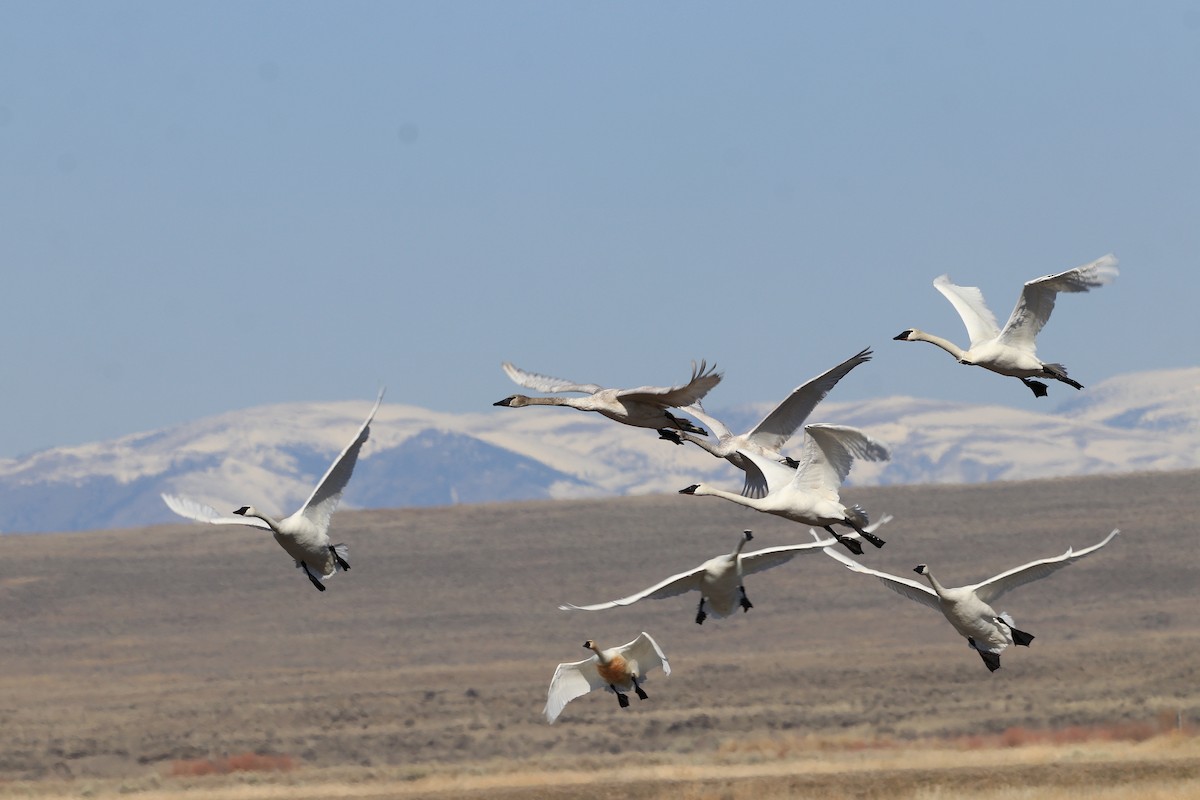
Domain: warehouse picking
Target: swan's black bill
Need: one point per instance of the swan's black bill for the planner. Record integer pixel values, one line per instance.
(691, 489)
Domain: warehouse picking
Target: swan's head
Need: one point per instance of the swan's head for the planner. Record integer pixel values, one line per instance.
(513, 401)
(590, 645)
(691, 489)
(747, 536)
(904, 336)
(247, 511)
(921, 569)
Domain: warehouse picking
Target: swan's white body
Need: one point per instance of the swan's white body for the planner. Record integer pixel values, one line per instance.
(643, 407)
(968, 608)
(720, 580)
(305, 534)
(809, 493)
(1012, 350)
(617, 669)
(768, 437)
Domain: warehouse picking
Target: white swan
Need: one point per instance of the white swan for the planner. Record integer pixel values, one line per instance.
(617, 669)
(643, 407)
(769, 436)
(968, 608)
(1013, 350)
(304, 534)
(809, 493)
(720, 580)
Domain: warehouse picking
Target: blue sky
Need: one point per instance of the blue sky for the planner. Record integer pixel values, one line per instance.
(210, 206)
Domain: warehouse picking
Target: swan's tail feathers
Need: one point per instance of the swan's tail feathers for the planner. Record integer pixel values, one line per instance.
(856, 515)
(340, 553)
(1038, 388)
(1059, 373)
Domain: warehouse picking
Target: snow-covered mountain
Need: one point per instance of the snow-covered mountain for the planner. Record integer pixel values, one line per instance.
(272, 456)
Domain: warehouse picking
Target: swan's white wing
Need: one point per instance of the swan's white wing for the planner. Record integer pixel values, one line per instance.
(545, 383)
(1037, 298)
(769, 557)
(643, 654)
(854, 441)
(993, 588)
(777, 427)
(775, 474)
(570, 681)
(717, 428)
(194, 509)
(320, 505)
(968, 302)
(828, 455)
(702, 381)
(672, 586)
(909, 588)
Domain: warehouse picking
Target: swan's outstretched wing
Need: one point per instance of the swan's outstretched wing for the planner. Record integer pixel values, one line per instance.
(545, 383)
(777, 427)
(829, 452)
(909, 588)
(993, 588)
(1037, 298)
(194, 509)
(319, 507)
(702, 381)
(643, 654)
(770, 557)
(968, 302)
(717, 428)
(671, 587)
(570, 681)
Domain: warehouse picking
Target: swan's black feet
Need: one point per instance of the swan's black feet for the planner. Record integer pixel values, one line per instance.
(1021, 637)
(991, 659)
(870, 537)
(315, 582)
(745, 604)
(669, 435)
(850, 544)
(791, 462)
(622, 699)
(685, 424)
(1037, 387)
(641, 693)
(341, 562)
(700, 617)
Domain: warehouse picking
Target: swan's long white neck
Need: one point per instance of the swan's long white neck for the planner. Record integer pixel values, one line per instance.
(737, 551)
(937, 587)
(750, 502)
(250, 511)
(947, 345)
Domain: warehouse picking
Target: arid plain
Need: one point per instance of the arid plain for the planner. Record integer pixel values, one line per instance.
(151, 661)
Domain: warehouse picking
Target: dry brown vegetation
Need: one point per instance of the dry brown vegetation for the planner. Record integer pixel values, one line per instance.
(187, 660)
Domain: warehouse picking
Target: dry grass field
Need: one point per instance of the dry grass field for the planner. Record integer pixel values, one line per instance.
(187, 661)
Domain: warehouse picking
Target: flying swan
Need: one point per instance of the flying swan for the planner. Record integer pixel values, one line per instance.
(809, 493)
(968, 608)
(720, 580)
(617, 669)
(643, 407)
(769, 436)
(1013, 350)
(304, 535)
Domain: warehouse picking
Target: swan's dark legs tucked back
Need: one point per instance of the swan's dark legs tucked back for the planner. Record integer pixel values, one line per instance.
(746, 604)
(320, 586)
(851, 545)
(1037, 387)
(870, 537)
(622, 699)
(341, 561)
(684, 424)
(641, 693)
(700, 615)
(669, 435)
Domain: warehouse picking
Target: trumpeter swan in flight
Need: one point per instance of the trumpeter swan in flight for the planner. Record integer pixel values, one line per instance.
(1013, 350)
(720, 580)
(304, 534)
(644, 407)
(968, 608)
(769, 436)
(617, 669)
(809, 493)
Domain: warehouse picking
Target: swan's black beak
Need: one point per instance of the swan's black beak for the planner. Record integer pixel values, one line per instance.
(902, 336)
(242, 511)
(505, 402)
(691, 489)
